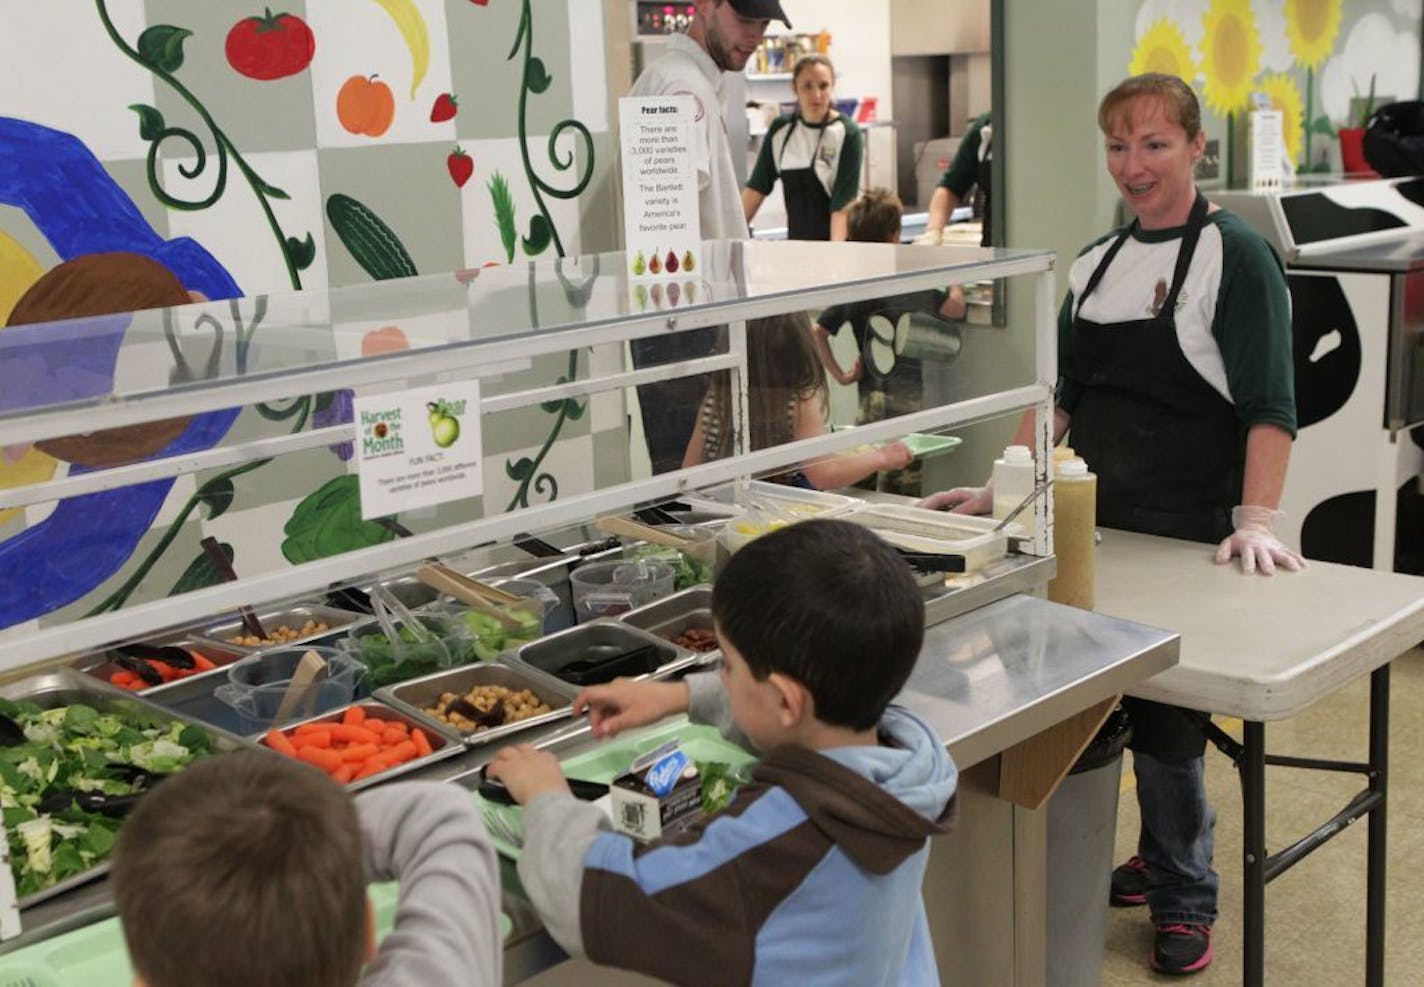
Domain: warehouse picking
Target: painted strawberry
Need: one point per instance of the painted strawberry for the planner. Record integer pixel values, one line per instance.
(444, 109)
(461, 166)
(480, 3)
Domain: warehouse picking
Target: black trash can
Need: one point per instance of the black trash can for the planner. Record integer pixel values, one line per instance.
(1082, 828)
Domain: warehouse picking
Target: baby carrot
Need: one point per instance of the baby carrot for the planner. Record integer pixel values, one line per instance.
(398, 725)
(354, 734)
(422, 743)
(354, 716)
(374, 766)
(201, 662)
(312, 738)
(277, 740)
(357, 753)
(124, 679)
(327, 760)
(402, 752)
(311, 728)
(392, 737)
(344, 773)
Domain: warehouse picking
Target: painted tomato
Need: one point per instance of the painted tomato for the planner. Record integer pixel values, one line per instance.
(270, 46)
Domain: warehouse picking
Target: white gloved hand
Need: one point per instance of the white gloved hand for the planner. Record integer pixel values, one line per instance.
(1255, 541)
(929, 238)
(960, 500)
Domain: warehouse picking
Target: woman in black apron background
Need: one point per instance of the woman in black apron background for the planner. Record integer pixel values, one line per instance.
(816, 152)
(1177, 386)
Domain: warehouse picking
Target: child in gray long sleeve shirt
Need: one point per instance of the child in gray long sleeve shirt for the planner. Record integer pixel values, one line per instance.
(251, 869)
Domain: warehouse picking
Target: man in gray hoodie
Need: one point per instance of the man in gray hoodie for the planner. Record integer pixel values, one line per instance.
(813, 871)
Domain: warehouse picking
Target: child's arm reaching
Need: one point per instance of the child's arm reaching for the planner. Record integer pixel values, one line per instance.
(821, 341)
(430, 837)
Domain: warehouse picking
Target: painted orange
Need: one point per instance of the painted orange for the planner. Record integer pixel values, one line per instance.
(387, 339)
(365, 106)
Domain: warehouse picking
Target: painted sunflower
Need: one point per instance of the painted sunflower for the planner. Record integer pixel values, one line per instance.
(1285, 96)
(1163, 48)
(1311, 28)
(1231, 55)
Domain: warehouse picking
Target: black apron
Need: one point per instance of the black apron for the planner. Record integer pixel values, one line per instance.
(983, 194)
(808, 204)
(1167, 449)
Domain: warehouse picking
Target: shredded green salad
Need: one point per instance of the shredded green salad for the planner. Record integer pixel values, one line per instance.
(68, 748)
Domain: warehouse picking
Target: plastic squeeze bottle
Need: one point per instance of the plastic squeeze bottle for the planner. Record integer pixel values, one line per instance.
(1075, 516)
(1013, 481)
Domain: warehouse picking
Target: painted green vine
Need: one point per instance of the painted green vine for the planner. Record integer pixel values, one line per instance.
(535, 80)
(160, 50)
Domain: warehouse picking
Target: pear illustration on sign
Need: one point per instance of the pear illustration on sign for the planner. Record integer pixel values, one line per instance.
(444, 426)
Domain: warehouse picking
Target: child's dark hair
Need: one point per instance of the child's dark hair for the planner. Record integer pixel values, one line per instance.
(782, 369)
(874, 217)
(830, 605)
(245, 868)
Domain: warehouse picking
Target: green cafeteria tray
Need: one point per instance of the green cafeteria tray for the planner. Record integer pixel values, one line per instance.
(612, 758)
(95, 956)
(921, 444)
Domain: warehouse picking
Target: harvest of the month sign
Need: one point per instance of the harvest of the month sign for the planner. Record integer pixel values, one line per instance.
(418, 447)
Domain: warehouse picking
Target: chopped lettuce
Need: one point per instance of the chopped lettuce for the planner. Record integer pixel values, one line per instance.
(70, 748)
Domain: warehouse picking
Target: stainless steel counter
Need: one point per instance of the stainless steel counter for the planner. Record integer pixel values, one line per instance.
(985, 680)
(1391, 257)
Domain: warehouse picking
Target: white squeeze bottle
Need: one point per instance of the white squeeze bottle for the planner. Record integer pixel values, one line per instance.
(1013, 481)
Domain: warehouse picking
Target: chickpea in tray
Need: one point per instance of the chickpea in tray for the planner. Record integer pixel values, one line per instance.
(487, 706)
(280, 634)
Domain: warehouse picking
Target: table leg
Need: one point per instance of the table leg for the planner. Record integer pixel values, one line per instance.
(1253, 804)
(1378, 853)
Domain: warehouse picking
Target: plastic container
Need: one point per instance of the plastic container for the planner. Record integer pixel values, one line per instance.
(257, 683)
(606, 589)
(692, 566)
(1082, 828)
(490, 637)
(388, 660)
(1075, 515)
(1013, 481)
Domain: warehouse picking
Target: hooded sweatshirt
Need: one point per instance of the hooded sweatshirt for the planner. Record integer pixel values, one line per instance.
(811, 874)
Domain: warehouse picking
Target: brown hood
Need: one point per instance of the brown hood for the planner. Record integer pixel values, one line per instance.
(871, 826)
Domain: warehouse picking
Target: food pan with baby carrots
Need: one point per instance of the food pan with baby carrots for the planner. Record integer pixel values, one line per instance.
(167, 668)
(363, 744)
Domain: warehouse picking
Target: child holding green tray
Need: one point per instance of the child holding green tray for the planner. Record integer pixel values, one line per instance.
(812, 873)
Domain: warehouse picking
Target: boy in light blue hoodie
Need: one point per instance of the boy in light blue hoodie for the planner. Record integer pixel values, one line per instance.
(812, 873)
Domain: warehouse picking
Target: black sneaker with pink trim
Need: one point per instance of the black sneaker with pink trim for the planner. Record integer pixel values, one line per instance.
(1181, 949)
(1129, 884)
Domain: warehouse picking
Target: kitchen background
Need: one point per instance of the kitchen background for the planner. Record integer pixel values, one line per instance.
(265, 149)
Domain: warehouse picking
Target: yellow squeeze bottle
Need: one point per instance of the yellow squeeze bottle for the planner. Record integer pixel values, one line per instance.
(1075, 516)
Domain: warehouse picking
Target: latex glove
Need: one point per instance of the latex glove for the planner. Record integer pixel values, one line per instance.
(895, 456)
(961, 500)
(929, 238)
(1255, 541)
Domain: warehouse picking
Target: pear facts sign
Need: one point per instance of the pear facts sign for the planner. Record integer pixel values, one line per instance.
(418, 447)
(662, 230)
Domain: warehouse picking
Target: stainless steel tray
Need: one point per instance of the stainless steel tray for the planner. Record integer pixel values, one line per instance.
(410, 591)
(676, 614)
(64, 686)
(549, 654)
(443, 744)
(414, 696)
(100, 665)
(294, 615)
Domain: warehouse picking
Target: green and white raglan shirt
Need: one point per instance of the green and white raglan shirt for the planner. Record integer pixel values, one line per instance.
(833, 149)
(1233, 313)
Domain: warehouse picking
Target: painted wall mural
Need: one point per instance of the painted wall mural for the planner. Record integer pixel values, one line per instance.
(1323, 63)
(254, 150)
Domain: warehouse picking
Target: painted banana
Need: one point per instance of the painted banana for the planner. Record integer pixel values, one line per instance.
(411, 24)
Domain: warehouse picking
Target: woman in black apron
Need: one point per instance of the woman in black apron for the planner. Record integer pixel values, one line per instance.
(1176, 385)
(815, 152)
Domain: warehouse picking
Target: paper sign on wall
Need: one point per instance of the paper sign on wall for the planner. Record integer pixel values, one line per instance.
(419, 447)
(662, 231)
(1267, 148)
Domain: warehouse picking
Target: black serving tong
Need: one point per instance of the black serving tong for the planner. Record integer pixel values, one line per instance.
(493, 790)
(598, 669)
(656, 515)
(113, 806)
(11, 733)
(136, 657)
(536, 546)
(350, 598)
(931, 561)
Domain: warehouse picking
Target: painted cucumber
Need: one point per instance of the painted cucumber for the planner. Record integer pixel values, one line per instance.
(369, 241)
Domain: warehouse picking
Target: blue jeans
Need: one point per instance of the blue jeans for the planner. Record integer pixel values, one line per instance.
(1176, 838)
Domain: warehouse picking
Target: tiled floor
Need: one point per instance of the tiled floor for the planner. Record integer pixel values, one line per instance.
(1315, 913)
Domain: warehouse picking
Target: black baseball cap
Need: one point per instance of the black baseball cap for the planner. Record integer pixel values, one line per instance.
(762, 9)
